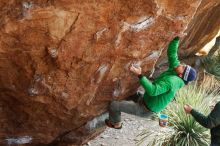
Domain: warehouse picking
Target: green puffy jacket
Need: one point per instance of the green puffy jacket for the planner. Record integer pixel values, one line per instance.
(159, 93)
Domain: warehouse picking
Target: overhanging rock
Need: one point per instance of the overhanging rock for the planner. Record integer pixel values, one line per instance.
(62, 62)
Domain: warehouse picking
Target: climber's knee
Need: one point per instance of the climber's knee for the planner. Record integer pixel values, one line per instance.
(114, 105)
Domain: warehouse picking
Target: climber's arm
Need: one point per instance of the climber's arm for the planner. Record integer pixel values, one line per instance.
(172, 53)
(153, 89)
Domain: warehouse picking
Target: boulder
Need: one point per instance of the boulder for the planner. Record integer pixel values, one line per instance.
(63, 61)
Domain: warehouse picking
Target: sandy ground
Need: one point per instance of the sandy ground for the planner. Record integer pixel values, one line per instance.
(127, 136)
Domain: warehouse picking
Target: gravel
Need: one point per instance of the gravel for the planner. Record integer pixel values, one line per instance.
(132, 126)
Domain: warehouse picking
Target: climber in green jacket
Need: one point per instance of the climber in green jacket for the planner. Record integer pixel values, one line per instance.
(158, 94)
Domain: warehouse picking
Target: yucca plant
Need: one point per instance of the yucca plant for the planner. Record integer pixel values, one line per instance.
(183, 129)
(212, 65)
(211, 62)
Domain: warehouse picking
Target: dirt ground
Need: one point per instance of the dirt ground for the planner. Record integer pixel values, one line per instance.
(127, 136)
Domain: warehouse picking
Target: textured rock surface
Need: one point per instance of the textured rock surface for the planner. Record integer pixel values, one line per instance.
(63, 61)
(202, 28)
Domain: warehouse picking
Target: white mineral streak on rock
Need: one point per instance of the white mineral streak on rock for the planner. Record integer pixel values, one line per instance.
(91, 96)
(99, 33)
(19, 140)
(25, 7)
(116, 92)
(33, 91)
(38, 77)
(125, 27)
(65, 95)
(53, 53)
(99, 74)
(97, 122)
(102, 69)
(127, 66)
(153, 55)
(117, 88)
(37, 84)
(143, 23)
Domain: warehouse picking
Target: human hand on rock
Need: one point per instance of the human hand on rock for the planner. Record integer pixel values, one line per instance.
(136, 69)
(182, 34)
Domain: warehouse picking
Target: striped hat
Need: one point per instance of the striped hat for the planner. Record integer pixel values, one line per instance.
(189, 74)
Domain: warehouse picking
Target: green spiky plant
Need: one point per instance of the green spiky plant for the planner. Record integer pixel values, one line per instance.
(212, 65)
(184, 130)
(211, 62)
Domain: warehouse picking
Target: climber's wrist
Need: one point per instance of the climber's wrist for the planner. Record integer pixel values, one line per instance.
(140, 76)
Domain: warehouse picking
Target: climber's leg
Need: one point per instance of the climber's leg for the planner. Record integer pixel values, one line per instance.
(129, 107)
(135, 97)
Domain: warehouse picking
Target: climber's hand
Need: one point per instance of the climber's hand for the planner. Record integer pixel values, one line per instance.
(182, 34)
(135, 69)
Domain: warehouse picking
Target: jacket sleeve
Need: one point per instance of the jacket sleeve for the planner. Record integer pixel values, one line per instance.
(154, 89)
(172, 53)
(210, 121)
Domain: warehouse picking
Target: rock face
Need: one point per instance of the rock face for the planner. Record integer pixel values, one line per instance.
(202, 28)
(63, 61)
